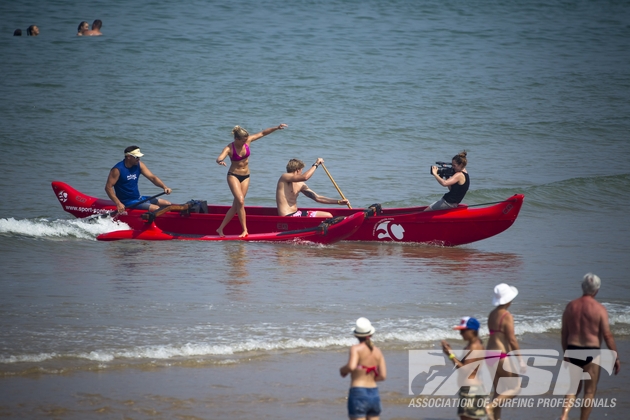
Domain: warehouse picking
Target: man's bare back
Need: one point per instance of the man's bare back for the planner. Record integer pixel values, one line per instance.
(96, 29)
(586, 321)
(286, 194)
(584, 325)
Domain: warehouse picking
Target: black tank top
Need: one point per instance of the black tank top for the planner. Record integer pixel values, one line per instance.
(457, 192)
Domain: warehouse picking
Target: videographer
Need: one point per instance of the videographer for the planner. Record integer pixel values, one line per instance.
(457, 184)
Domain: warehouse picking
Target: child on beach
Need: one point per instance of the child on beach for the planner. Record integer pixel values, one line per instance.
(472, 398)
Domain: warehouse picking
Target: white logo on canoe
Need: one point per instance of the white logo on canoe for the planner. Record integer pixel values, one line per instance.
(62, 196)
(386, 229)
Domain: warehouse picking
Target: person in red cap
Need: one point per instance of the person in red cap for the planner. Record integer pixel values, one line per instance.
(472, 398)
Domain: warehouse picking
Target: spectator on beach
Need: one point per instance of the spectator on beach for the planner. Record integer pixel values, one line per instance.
(32, 30)
(83, 27)
(17, 32)
(238, 174)
(366, 366)
(457, 184)
(472, 397)
(292, 183)
(122, 183)
(96, 29)
(502, 341)
(584, 325)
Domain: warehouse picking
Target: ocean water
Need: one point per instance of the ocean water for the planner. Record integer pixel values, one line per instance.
(537, 93)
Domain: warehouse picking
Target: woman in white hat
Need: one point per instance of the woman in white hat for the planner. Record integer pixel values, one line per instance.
(502, 341)
(366, 366)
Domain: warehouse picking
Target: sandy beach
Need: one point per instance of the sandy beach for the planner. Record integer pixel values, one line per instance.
(273, 385)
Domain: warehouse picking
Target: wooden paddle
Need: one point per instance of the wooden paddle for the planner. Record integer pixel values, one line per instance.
(335, 184)
(113, 212)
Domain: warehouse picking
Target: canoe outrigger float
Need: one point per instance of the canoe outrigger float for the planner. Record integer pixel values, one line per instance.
(461, 225)
(327, 232)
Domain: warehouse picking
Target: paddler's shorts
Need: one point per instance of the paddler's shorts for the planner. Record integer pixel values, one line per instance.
(442, 204)
(143, 206)
(302, 213)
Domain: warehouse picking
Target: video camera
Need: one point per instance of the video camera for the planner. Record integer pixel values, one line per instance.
(445, 170)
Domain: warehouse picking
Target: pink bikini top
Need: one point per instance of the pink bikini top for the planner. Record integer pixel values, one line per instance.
(236, 156)
(500, 319)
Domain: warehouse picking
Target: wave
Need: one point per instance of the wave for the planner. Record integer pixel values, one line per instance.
(41, 228)
(582, 193)
(391, 334)
(169, 352)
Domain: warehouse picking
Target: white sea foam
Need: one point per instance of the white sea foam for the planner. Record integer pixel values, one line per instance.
(618, 314)
(28, 358)
(59, 229)
(389, 331)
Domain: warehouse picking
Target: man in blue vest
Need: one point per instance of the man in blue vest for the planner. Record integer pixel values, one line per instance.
(122, 183)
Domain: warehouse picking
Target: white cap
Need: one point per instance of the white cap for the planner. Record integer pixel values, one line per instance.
(135, 153)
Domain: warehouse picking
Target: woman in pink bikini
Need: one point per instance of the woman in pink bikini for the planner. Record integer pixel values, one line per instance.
(501, 342)
(238, 174)
(366, 366)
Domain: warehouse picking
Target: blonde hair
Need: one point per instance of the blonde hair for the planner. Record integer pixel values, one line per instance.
(294, 165)
(367, 341)
(460, 158)
(239, 132)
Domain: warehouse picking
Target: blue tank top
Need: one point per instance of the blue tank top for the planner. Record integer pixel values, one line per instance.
(457, 192)
(126, 187)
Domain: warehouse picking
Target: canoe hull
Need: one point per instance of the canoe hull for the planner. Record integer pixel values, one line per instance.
(462, 225)
(328, 232)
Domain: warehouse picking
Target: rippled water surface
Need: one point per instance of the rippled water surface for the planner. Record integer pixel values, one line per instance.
(537, 94)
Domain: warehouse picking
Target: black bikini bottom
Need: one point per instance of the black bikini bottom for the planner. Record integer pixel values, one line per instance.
(240, 178)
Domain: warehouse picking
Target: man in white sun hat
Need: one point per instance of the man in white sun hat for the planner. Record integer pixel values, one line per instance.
(501, 342)
(584, 325)
(366, 366)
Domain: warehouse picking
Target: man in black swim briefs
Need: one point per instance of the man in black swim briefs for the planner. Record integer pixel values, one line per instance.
(581, 362)
(584, 323)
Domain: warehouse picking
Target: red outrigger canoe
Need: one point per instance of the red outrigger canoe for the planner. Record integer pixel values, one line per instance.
(458, 226)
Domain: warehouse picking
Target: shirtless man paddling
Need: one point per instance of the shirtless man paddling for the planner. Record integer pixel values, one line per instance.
(292, 183)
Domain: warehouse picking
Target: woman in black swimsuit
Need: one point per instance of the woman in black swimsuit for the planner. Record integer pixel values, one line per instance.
(238, 175)
(457, 184)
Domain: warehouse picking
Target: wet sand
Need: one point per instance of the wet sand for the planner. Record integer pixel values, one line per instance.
(274, 385)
